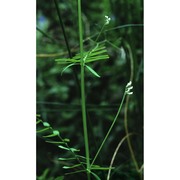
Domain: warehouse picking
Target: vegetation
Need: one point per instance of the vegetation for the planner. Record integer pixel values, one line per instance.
(89, 90)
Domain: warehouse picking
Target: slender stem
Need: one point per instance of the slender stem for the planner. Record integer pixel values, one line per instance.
(83, 100)
(120, 107)
(124, 26)
(100, 33)
(67, 43)
(63, 29)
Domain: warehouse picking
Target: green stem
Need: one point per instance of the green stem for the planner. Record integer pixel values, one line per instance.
(67, 43)
(114, 121)
(83, 100)
(100, 33)
(124, 26)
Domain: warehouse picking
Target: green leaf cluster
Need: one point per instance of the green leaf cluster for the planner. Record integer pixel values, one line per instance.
(61, 143)
(99, 52)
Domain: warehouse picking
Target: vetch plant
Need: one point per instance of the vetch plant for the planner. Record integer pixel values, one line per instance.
(107, 21)
(79, 163)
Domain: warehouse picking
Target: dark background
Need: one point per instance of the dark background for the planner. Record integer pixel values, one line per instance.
(58, 97)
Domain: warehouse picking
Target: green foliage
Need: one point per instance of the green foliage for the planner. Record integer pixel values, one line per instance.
(58, 99)
(59, 140)
(96, 54)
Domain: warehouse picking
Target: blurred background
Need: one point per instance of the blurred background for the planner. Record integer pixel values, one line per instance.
(58, 97)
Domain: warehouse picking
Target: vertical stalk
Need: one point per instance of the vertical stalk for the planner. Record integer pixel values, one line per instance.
(83, 101)
(67, 43)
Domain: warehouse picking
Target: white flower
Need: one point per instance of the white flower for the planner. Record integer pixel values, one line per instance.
(128, 88)
(129, 93)
(129, 84)
(107, 20)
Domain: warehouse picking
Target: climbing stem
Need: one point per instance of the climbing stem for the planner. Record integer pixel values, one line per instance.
(114, 121)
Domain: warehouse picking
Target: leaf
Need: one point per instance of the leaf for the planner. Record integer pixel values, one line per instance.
(81, 157)
(96, 176)
(66, 159)
(69, 149)
(50, 135)
(102, 168)
(67, 68)
(67, 61)
(55, 142)
(65, 148)
(66, 140)
(55, 133)
(46, 124)
(97, 58)
(70, 167)
(42, 130)
(92, 71)
(74, 150)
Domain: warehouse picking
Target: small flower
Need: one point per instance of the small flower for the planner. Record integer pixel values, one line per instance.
(129, 84)
(129, 93)
(107, 20)
(128, 88)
